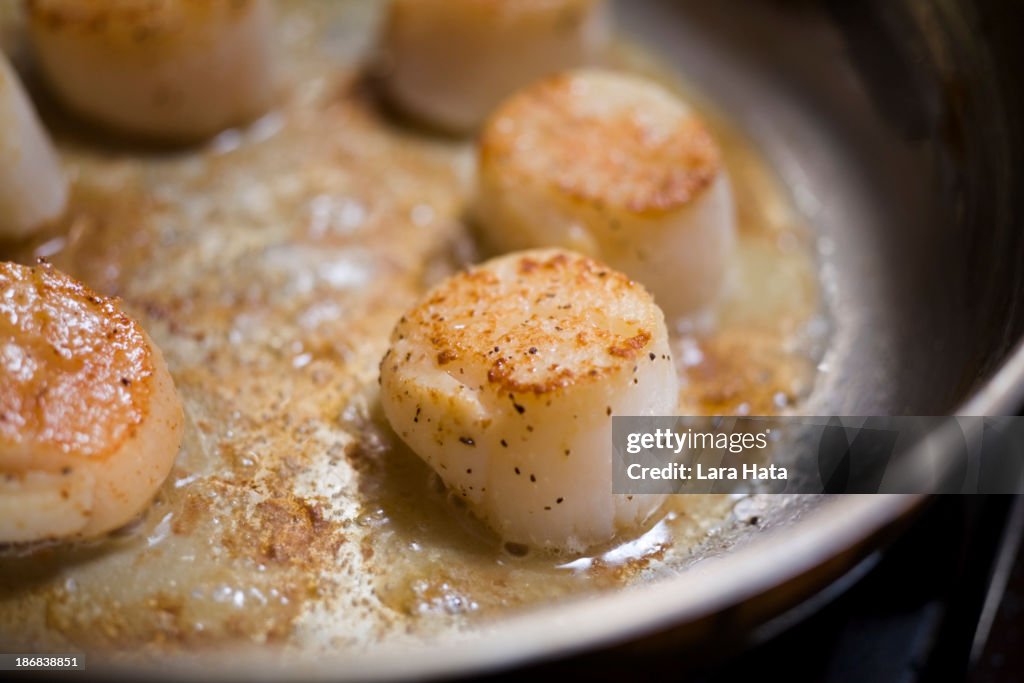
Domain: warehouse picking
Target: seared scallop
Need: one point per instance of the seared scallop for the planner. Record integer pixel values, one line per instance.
(505, 378)
(616, 167)
(175, 70)
(33, 189)
(90, 423)
(452, 61)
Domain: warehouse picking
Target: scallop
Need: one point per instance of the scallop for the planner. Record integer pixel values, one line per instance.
(451, 62)
(90, 422)
(505, 379)
(616, 167)
(33, 188)
(170, 70)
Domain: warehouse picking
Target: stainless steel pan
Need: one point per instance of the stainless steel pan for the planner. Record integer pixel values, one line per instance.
(895, 126)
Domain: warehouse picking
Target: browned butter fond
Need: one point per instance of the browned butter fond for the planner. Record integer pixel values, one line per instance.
(270, 266)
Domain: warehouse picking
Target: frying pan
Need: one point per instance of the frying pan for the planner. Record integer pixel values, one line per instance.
(894, 125)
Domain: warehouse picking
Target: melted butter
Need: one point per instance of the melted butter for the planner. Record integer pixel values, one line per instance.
(270, 267)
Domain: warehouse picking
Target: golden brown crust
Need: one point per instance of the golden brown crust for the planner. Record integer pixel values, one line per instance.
(536, 322)
(615, 156)
(502, 8)
(134, 21)
(74, 369)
